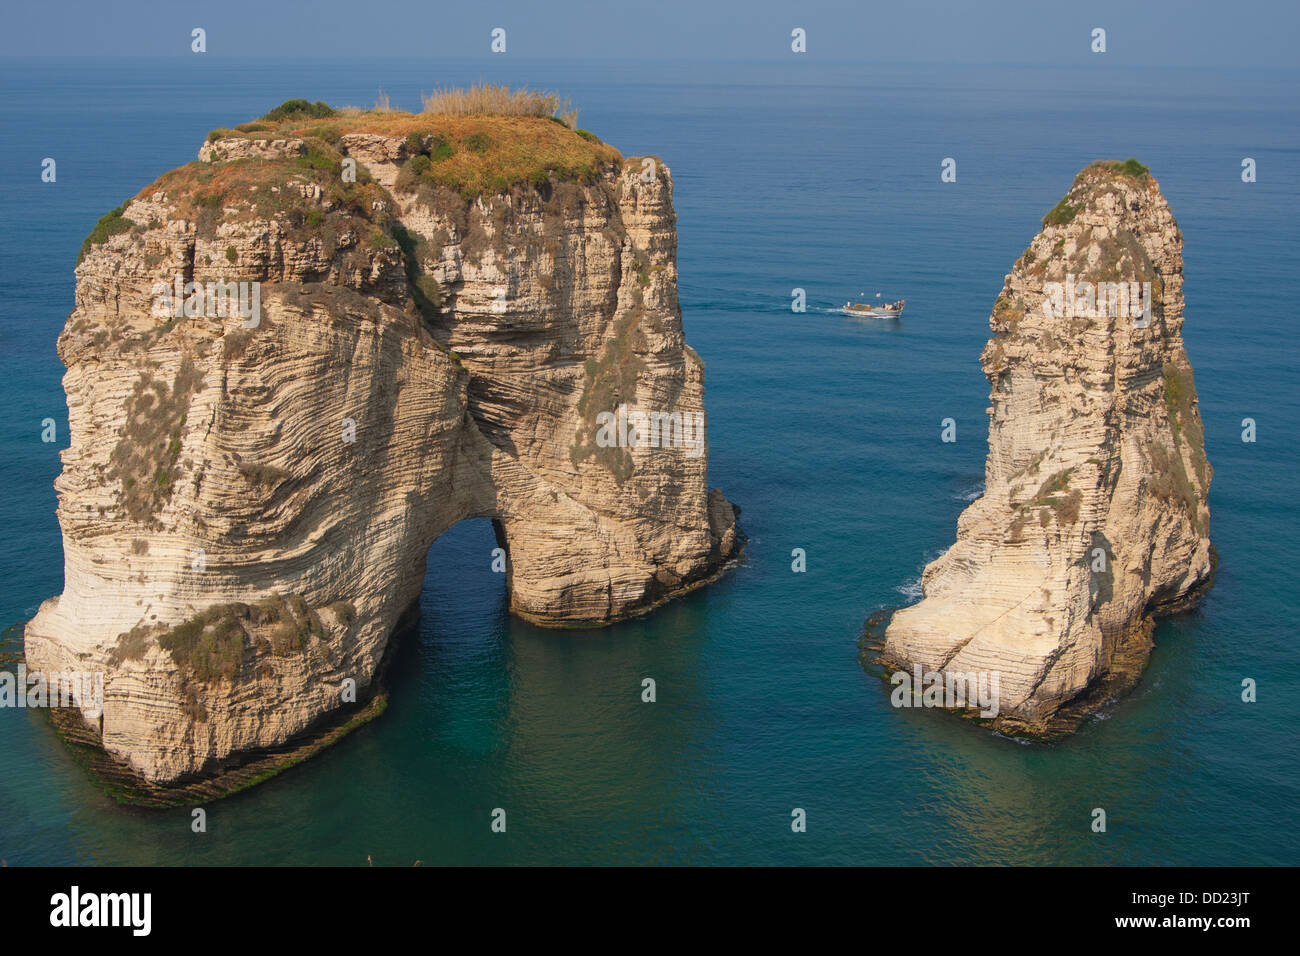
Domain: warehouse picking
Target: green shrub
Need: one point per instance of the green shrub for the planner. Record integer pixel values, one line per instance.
(209, 646)
(441, 149)
(329, 134)
(299, 108)
(423, 288)
(1055, 493)
(306, 620)
(110, 224)
(1004, 310)
(319, 157)
(1060, 481)
(1062, 213)
(480, 142)
(1132, 168)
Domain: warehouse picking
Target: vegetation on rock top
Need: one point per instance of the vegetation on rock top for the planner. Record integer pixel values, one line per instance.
(248, 189)
(467, 143)
(474, 142)
(1129, 167)
(490, 99)
(1064, 211)
(1062, 214)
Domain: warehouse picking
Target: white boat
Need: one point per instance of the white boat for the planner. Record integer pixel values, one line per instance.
(890, 310)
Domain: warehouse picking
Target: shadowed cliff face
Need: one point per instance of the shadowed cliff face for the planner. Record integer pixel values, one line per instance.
(1094, 513)
(248, 500)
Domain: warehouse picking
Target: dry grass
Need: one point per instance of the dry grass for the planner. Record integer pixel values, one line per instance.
(448, 160)
(468, 154)
(489, 99)
(474, 155)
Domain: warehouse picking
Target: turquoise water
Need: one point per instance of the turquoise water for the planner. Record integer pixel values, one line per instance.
(823, 428)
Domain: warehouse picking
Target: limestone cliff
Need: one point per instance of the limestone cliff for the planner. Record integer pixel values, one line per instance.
(443, 307)
(1094, 515)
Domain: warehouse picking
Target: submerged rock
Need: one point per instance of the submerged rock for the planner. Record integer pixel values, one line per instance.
(249, 496)
(1094, 516)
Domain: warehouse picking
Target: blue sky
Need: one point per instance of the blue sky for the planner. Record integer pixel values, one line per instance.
(1241, 33)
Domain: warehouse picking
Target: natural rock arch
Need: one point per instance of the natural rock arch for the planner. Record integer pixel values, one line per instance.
(246, 511)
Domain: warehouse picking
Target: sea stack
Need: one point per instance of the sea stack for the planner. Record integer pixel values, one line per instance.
(1093, 519)
(426, 318)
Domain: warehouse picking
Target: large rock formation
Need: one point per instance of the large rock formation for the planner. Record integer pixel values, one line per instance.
(247, 501)
(1094, 516)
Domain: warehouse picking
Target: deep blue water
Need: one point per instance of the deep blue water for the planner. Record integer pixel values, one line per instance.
(824, 429)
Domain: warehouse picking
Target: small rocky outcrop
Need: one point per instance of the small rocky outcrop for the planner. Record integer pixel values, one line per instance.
(249, 496)
(1093, 518)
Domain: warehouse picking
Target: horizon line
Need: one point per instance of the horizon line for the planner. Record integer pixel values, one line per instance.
(1075, 64)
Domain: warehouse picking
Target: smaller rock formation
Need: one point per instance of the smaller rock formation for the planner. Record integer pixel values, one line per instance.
(1094, 515)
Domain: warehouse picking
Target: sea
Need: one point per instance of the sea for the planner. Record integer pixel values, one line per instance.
(826, 430)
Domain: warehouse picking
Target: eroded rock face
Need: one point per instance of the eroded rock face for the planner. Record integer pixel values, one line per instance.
(1094, 513)
(246, 508)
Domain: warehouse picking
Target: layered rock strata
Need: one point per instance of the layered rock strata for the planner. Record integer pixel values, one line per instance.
(1094, 517)
(436, 312)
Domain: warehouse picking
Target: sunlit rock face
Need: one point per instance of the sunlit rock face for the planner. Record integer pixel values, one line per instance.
(248, 497)
(1094, 514)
